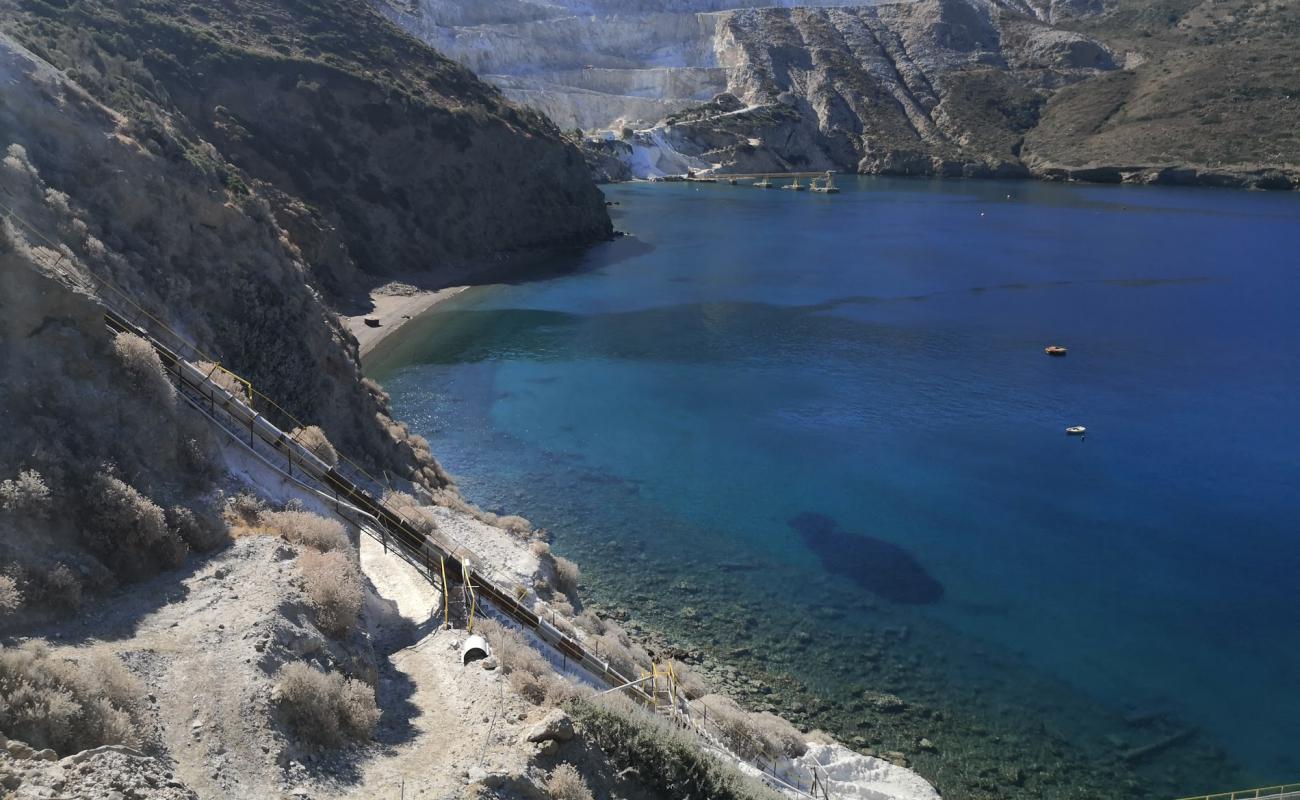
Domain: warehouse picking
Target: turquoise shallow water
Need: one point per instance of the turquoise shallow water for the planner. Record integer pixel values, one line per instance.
(875, 359)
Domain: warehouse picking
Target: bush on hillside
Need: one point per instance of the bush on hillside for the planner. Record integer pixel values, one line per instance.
(313, 438)
(11, 598)
(688, 683)
(244, 509)
(61, 588)
(410, 509)
(48, 701)
(334, 588)
(125, 526)
(625, 656)
(26, 494)
(752, 736)
(528, 671)
(566, 576)
(202, 532)
(308, 529)
(223, 378)
(669, 759)
(324, 707)
(566, 783)
(143, 367)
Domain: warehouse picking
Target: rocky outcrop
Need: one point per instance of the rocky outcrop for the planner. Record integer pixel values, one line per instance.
(936, 87)
(110, 771)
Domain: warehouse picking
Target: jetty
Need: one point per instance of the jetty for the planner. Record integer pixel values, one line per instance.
(818, 182)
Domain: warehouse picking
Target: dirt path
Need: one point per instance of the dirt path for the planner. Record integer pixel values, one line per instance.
(441, 719)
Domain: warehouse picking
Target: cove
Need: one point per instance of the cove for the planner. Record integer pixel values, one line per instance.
(671, 403)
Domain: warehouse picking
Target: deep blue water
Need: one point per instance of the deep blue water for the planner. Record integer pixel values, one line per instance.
(875, 358)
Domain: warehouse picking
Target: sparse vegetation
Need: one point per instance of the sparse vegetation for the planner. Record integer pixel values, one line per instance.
(669, 759)
(314, 439)
(324, 707)
(62, 588)
(752, 735)
(47, 701)
(127, 527)
(410, 509)
(307, 529)
(528, 671)
(202, 532)
(566, 783)
(567, 575)
(26, 494)
(11, 599)
(143, 367)
(334, 588)
(223, 378)
(624, 655)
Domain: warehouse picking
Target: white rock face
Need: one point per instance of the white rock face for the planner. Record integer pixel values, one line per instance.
(858, 777)
(591, 64)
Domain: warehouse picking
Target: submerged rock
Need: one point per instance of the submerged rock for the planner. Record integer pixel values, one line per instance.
(880, 567)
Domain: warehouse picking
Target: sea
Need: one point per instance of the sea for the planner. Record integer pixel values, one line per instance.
(820, 433)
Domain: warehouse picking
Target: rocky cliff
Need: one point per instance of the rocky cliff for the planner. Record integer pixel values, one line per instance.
(1188, 91)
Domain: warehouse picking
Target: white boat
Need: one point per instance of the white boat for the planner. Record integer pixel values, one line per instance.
(1076, 430)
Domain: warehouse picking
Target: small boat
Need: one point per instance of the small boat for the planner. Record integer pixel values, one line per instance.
(794, 187)
(1076, 430)
(763, 183)
(1055, 350)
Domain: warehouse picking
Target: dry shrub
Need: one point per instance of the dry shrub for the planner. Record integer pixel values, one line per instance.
(529, 673)
(566, 576)
(126, 525)
(334, 588)
(515, 524)
(625, 656)
(223, 378)
(313, 438)
(62, 588)
(51, 702)
(540, 549)
(202, 532)
(688, 683)
(142, 366)
(324, 707)
(752, 735)
(27, 495)
(11, 599)
(566, 783)
(308, 529)
(412, 511)
(244, 509)
(592, 624)
(670, 760)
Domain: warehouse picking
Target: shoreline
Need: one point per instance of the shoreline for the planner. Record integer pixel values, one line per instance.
(395, 306)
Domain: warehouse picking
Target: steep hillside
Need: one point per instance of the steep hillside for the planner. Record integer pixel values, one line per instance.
(1184, 91)
(1211, 97)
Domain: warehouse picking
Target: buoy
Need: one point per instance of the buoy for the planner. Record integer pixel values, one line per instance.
(1076, 430)
(1055, 350)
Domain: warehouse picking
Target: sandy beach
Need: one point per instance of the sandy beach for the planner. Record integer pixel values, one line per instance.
(395, 304)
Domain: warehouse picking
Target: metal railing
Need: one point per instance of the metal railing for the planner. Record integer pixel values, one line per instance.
(1287, 790)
